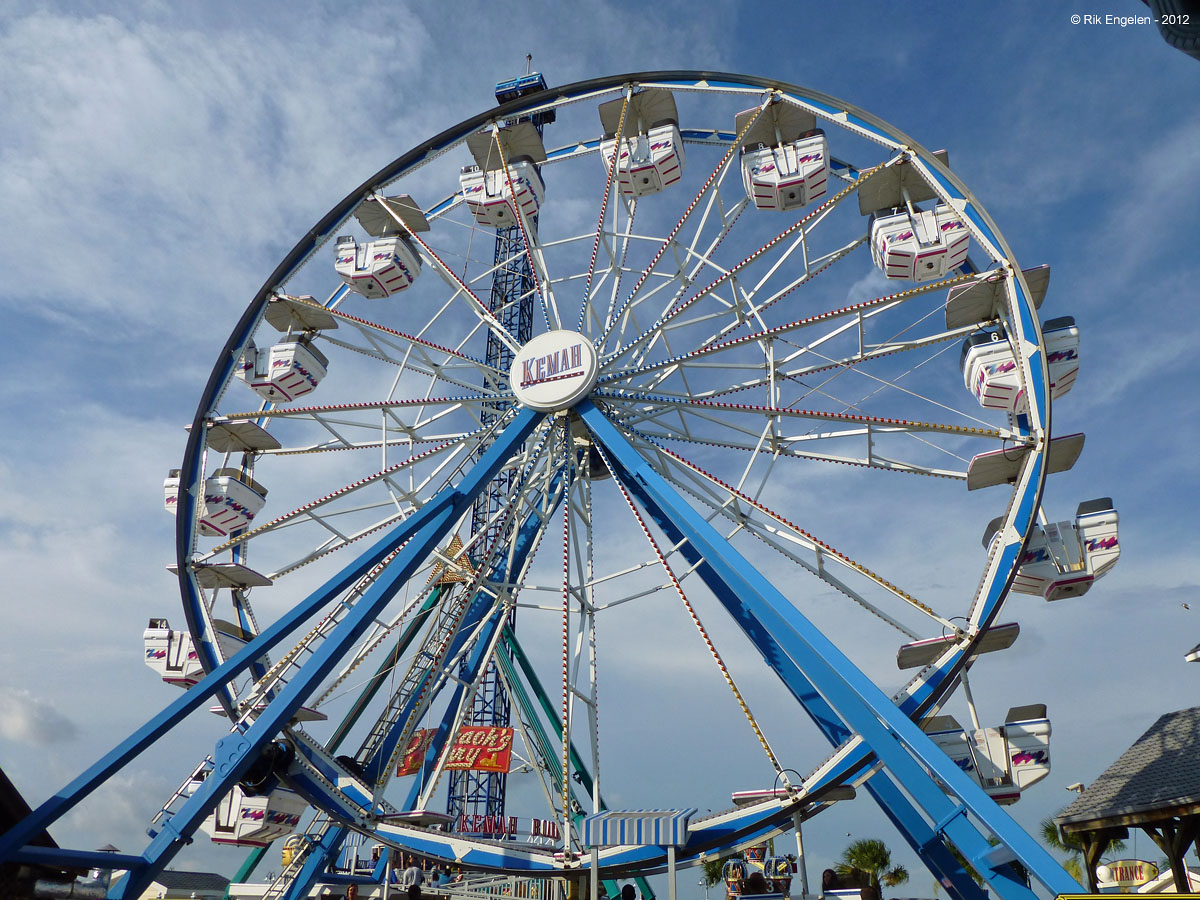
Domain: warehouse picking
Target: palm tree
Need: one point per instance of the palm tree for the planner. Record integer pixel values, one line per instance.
(712, 869)
(1070, 844)
(869, 860)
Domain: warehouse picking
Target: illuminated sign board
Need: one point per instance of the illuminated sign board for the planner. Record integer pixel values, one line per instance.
(481, 748)
(414, 753)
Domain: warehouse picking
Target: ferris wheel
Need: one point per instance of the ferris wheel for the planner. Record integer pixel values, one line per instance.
(674, 370)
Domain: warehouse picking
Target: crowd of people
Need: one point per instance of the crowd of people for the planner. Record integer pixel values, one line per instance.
(418, 875)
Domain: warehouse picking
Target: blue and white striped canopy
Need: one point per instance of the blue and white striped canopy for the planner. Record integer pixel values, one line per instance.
(637, 827)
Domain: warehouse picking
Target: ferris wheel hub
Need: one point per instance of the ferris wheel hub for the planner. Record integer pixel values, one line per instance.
(554, 371)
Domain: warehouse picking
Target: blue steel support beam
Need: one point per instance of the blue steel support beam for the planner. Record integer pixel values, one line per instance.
(923, 840)
(525, 541)
(318, 859)
(235, 753)
(899, 743)
(315, 863)
(475, 661)
(117, 758)
(480, 606)
(475, 612)
(319, 856)
(384, 669)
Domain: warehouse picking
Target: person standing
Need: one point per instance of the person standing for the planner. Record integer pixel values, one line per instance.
(412, 875)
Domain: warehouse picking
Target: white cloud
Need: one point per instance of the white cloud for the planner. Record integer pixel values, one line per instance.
(162, 149)
(32, 720)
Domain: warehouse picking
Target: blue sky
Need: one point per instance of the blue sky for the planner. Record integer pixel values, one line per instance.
(159, 159)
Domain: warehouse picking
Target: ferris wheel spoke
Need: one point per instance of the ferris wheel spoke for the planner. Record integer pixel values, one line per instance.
(618, 254)
(400, 500)
(737, 313)
(718, 413)
(722, 167)
(856, 313)
(608, 186)
(635, 346)
(416, 343)
(451, 450)
(461, 289)
(591, 321)
(387, 429)
(537, 263)
(752, 516)
(700, 627)
(784, 366)
(871, 459)
(465, 375)
(742, 305)
(690, 262)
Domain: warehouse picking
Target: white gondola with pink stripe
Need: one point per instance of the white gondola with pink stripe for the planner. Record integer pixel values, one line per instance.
(647, 163)
(285, 371)
(789, 176)
(920, 245)
(494, 197)
(649, 149)
(172, 654)
(990, 370)
(785, 157)
(1063, 559)
(254, 821)
(231, 501)
(377, 268)
(1004, 760)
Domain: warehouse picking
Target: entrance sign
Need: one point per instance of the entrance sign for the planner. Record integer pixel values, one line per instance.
(1126, 873)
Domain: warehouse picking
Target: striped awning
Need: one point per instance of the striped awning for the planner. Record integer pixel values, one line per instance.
(637, 827)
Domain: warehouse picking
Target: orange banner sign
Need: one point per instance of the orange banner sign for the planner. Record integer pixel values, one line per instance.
(482, 748)
(414, 754)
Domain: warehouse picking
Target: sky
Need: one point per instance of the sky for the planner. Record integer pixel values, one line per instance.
(159, 159)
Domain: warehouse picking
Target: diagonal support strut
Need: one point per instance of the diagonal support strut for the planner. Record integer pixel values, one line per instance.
(763, 612)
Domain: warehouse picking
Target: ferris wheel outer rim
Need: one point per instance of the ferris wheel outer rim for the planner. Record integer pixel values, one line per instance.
(191, 475)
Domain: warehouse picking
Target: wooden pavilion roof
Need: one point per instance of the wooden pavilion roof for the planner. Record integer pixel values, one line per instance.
(1156, 779)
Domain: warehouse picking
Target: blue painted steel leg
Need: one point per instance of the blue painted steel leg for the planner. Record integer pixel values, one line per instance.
(524, 541)
(236, 752)
(898, 742)
(481, 605)
(895, 805)
(316, 862)
(924, 841)
(63, 801)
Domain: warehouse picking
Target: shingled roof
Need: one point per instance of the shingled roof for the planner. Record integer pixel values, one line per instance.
(1155, 779)
(208, 882)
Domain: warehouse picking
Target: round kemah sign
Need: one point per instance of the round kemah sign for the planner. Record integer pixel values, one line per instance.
(554, 371)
